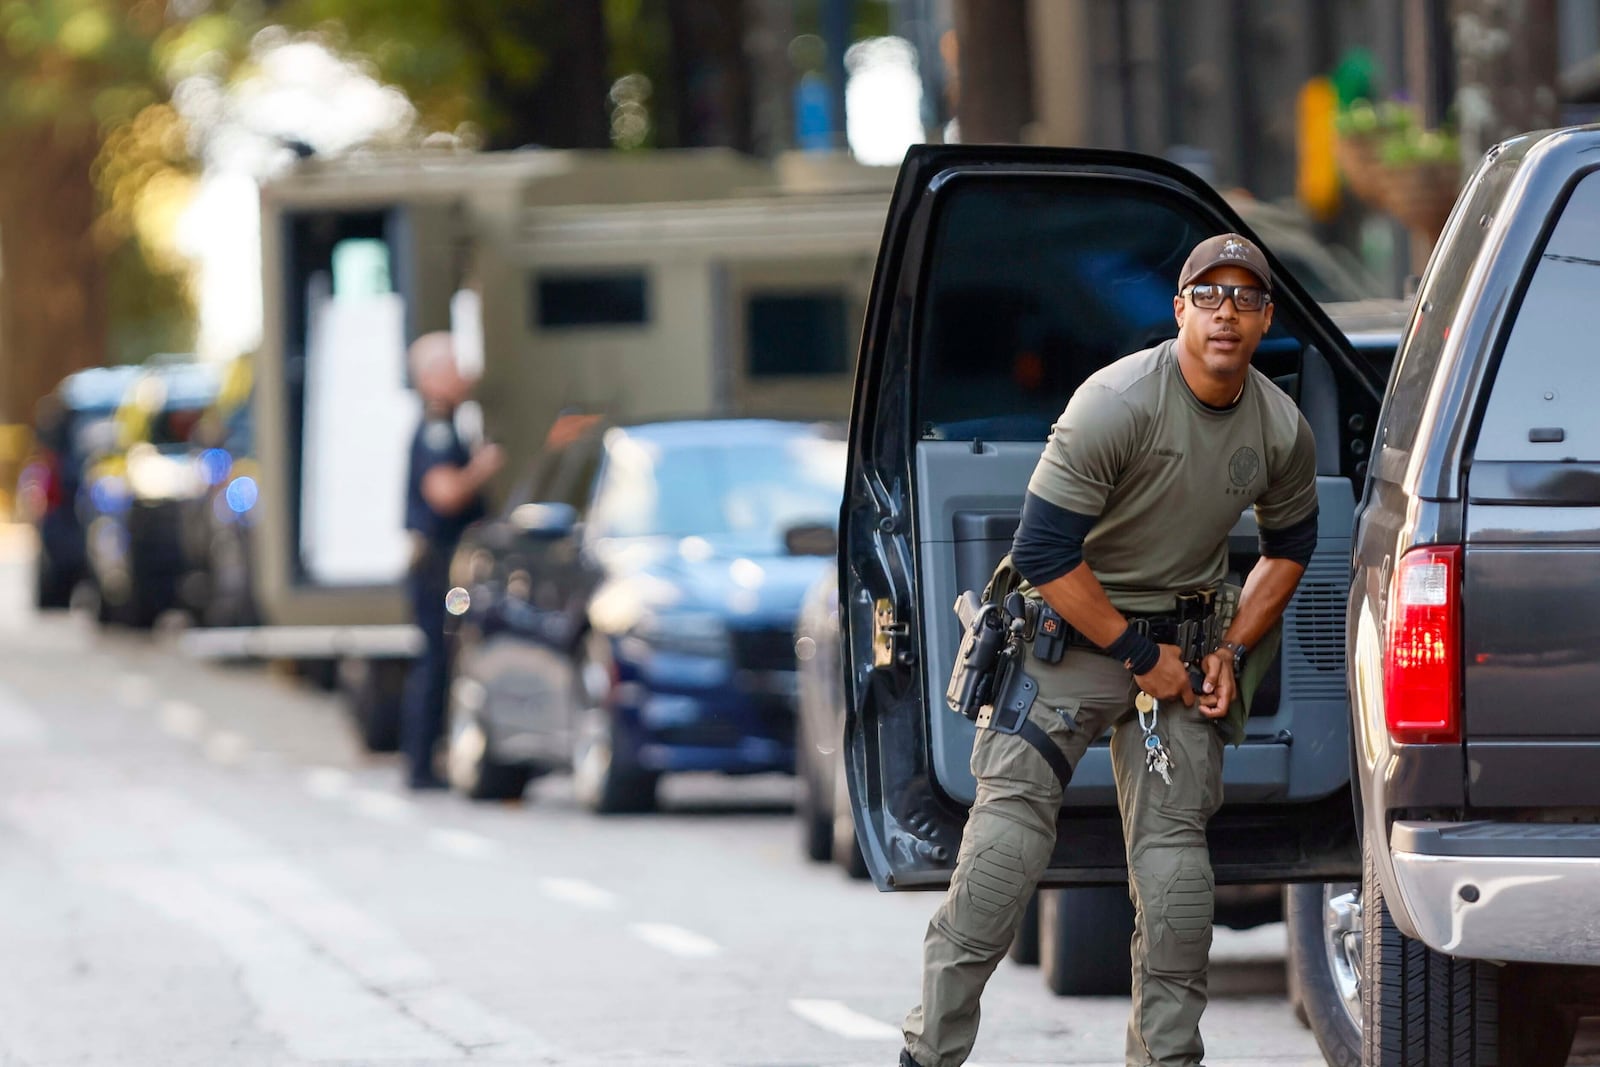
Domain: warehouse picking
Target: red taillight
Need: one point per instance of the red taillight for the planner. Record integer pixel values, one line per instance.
(39, 486)
(1422, 658)
(53, 490)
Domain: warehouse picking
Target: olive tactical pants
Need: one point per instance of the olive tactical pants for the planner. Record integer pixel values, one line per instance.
(1007, 845)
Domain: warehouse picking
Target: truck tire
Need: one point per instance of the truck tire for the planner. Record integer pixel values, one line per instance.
(1024, 950)
(374, 690)
(1324, 965)
(1085, 941)
(1421, 1008)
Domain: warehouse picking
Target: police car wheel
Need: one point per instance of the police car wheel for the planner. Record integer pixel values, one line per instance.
(811, 809)
(846, 847)
(473, 769)
(52, 588)
(602, 783)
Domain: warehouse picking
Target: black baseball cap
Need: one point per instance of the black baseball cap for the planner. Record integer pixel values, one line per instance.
(1225, 250)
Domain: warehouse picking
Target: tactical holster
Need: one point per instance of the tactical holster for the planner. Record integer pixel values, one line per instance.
(989, 684)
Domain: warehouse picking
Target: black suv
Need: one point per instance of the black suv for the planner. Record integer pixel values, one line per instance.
(1474, 632)
(1008, 275)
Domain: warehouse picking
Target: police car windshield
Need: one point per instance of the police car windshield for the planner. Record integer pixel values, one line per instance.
(739, 494)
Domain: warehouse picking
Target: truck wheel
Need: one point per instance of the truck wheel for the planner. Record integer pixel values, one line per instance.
(602, 782)
(1024, 950)
(374, 690)
(475, 771)
(1324, 927)
(1421, 1008)
(1084, 941)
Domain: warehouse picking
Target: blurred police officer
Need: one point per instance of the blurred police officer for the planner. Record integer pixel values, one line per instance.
(443, 496)
(1126, 517)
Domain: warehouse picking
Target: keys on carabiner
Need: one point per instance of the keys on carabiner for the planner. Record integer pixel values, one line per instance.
(1157, 758)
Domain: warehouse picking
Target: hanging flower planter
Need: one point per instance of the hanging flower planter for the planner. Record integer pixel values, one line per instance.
(1421, 194)
(1357, 155)
(1392, 164)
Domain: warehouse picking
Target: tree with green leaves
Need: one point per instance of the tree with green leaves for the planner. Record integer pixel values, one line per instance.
(94, 161)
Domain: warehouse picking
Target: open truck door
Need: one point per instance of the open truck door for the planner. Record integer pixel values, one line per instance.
(1006, 277)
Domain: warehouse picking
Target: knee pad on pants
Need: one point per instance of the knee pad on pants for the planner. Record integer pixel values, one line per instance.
(1177, 902)
(1001, 863)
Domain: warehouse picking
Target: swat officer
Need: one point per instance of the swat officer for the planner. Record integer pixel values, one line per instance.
(443, 496)
(1124, 535)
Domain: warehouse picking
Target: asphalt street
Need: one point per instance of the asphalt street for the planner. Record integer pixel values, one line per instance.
(199, 866)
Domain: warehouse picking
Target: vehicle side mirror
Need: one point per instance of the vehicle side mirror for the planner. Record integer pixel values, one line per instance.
(811, 539)
(550, 520)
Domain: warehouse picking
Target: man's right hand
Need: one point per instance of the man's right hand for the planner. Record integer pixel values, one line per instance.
(1169, 678)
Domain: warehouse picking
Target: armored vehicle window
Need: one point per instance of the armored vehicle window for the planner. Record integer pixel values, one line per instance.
(1542, 404)
(1437, 304)
(797, 333)
(1033, 285)
(611, 299)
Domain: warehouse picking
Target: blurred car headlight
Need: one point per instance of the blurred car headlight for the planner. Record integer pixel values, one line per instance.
(688, 633)
(153, 476)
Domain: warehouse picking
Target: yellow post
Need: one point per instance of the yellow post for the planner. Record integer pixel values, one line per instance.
(1317, 176)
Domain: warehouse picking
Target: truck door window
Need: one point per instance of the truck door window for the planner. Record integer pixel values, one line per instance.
(1541, 406)
(1034, 284)
(1437, 303)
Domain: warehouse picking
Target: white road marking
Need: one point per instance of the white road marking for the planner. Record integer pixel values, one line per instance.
(373, 952)
(19, 726)
(834, 1017)
(577, 891)
(325, 783)
(462, 843)
(322, 975)
(385, 807)
(676, 940)
(182, 719)
(134, 689)
(227, 748)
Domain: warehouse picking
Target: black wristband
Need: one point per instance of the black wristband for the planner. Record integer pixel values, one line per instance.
(1136, 650)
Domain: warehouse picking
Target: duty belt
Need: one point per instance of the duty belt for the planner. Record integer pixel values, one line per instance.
(1187, 627)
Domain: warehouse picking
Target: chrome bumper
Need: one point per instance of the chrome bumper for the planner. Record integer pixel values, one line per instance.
(1533, 909)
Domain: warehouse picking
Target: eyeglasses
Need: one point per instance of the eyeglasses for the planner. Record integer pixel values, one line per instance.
(1245, 297)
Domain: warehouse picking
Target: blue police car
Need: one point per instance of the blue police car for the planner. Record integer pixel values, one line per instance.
(631, 613)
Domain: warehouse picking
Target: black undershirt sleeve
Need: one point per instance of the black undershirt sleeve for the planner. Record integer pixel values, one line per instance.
(1295, 542)
(1049, 540)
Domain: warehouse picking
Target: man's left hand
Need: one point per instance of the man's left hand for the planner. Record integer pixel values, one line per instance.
(1220, 687)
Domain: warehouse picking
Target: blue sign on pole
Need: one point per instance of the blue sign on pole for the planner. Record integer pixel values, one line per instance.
(813, 120)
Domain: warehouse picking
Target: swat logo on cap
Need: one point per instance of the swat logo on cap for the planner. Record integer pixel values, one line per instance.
(1233, 249)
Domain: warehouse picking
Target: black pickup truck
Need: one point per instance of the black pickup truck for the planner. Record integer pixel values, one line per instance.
(1455, 704)
(1474, 632)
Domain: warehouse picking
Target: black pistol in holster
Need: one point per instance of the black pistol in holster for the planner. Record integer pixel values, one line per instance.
(989, 685)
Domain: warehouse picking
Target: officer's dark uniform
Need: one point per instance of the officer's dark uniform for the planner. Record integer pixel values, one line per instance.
(436, 442)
